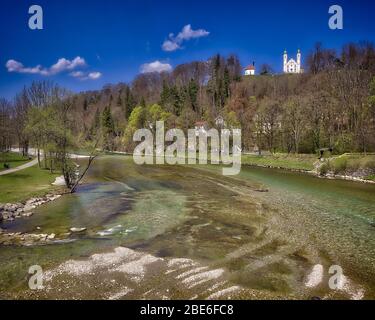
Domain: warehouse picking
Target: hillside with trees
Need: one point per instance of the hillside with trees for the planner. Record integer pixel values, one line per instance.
(331, 105)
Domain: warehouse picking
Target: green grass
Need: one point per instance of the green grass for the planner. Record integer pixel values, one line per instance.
(13, 159)
(370, 177)
(349, 163)
(24, 184)
(285, 161)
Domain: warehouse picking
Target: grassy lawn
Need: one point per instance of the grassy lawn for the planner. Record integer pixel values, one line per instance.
(352, 162)
(24, 184)
(13, 159)
(285, 161)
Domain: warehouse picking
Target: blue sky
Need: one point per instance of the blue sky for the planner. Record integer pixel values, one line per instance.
(114, 39)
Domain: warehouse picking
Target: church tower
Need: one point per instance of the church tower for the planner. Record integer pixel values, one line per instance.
(285, 61)
(299, 61)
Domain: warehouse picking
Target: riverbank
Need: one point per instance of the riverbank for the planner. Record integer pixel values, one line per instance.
(349, 166)
(11, 211)
(26, 184)
(299, 162)
(352, 167)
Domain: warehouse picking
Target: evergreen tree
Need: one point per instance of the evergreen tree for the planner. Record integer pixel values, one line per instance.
(226, 83)
(130, 102)
(95, 125)
(193, 94)
(165, 95)
(177, 100)
(119, 99)
(85, 104)
(108, 128)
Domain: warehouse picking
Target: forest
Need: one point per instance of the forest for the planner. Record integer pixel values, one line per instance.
(330, 105)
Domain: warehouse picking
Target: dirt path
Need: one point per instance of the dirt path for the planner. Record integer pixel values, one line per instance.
(33, 162)
(22, 167)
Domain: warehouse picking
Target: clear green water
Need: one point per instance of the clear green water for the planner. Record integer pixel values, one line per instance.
(266, 241)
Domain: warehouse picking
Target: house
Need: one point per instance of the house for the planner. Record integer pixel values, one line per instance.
(250, 70)
(219, 122)
(201, 126)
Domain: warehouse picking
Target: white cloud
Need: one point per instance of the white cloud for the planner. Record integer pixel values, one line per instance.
(15, 66)
(155, 66)
(169, 45)
(77, 74)
(86, 76)
(94, 75)
(187, 33)
(61, 65)
(64, 64)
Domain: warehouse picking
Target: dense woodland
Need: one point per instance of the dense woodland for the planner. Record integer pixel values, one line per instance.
(331, 105)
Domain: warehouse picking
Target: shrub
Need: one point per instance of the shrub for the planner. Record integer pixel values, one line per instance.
(340, 165)
(323, 169)
(369, 164)
(354, 164)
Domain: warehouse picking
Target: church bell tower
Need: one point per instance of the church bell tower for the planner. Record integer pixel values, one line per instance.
(285, 61)
(299, 61)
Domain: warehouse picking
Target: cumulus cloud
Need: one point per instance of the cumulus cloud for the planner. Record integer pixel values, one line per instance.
(15, 66)
(170, 45)
(94, 75)
(65, 64)
(60, 66)
(86, 76)
(187, 33)
(155, 66)
(77, 74)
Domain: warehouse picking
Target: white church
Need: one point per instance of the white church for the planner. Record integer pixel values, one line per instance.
(289, 66)
(292, 66)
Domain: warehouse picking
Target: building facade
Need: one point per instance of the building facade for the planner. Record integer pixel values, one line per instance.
(250, 70)
(291, 65)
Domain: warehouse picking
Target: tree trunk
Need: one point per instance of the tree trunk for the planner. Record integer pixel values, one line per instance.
(39, 158)
(45, 158)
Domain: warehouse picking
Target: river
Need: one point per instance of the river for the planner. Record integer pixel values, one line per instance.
(189, 232)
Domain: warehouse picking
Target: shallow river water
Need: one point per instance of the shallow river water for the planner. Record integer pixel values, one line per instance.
(262, 234)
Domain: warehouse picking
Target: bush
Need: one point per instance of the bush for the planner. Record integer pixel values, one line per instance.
(323, 169)
(369, 164)
(354, 164)
(340, 165)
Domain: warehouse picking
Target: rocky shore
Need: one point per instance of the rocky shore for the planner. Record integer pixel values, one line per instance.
(34, 239)
(25, 239)
(11, 211)
(349, 177)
